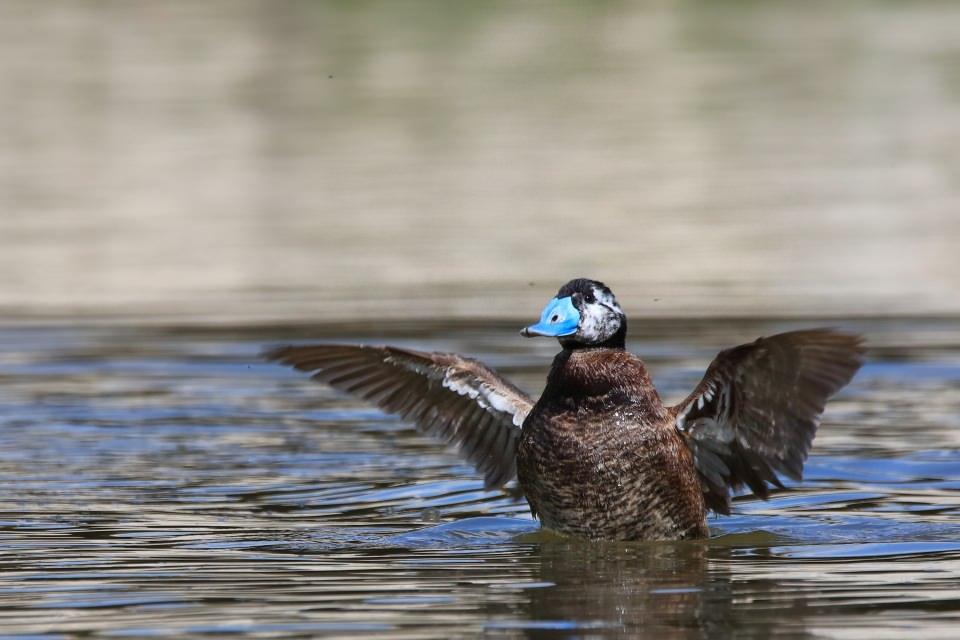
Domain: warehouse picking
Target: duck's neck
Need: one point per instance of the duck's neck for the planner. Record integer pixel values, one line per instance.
(609, 377)
(616, 341)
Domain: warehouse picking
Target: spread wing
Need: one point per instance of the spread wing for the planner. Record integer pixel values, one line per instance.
(459, 399)
(756, 410)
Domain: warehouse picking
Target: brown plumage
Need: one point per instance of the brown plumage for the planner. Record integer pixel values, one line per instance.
(459, 400)
(599, 456)
(758, 406)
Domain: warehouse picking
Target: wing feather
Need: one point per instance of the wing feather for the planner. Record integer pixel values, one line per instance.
(458, 399)
(756, 411)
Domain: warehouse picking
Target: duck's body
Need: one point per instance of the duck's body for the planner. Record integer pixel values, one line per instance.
(598, 455)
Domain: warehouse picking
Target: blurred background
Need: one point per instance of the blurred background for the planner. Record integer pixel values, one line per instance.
(244, 161)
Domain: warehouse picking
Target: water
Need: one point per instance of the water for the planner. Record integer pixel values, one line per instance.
(165, 482)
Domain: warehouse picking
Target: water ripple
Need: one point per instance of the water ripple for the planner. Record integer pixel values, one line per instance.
(190, 490)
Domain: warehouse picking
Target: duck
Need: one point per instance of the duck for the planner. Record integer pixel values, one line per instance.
(599, 455)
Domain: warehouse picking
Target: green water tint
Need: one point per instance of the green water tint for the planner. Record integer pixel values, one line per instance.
(167, 482)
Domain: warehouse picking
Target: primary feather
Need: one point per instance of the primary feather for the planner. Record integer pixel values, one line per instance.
(458, 399)
(757, 408)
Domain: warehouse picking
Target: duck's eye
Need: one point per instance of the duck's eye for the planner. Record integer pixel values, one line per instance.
(555, 317)
(589, 299)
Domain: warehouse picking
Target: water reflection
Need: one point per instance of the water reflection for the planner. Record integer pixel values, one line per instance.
(657, 590)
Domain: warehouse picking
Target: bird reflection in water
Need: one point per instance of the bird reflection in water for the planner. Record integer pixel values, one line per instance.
(662, 590)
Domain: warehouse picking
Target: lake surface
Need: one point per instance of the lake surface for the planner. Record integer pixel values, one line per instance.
(165, 482)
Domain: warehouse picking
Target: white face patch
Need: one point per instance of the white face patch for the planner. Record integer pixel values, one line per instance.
(600, 319)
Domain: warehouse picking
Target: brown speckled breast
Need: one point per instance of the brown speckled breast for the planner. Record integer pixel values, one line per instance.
(599, 456)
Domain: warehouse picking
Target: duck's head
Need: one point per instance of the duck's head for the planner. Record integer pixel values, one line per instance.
(584, 313)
